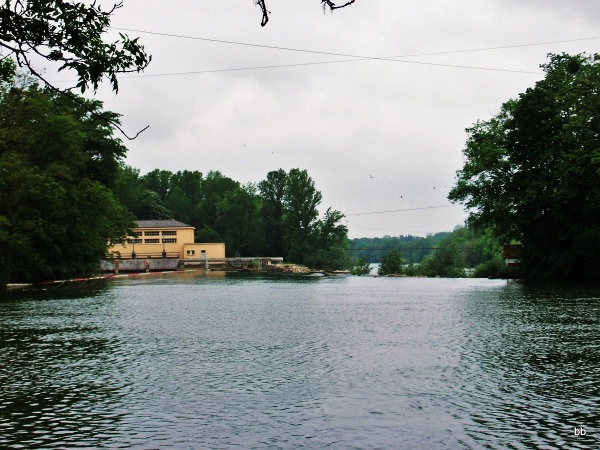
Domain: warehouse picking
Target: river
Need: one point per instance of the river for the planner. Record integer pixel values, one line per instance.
(253, 361)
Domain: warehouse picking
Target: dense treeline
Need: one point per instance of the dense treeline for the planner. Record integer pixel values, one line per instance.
(412, 248)
(277, 217)
(532, 175)
(437, 255)
(59, 162)
(65, 193)
(532, 172)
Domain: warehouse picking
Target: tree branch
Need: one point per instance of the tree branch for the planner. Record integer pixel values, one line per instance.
(326, 4)
(332, 6)
(265, 12)
(81, 103)
(69, 33)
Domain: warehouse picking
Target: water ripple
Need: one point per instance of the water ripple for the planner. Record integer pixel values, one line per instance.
(220, 362)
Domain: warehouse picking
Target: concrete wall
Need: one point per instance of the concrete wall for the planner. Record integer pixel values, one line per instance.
(139, 265)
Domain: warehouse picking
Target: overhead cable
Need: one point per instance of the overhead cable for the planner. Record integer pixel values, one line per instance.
(355, 58)
(399, 210)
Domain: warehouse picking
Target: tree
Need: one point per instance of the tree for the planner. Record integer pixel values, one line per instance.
(330, 243)
(150, 207)
(532, 173)
(272, 208)
(445, 262)
(237, 219)
(391, 264)
(137, 194)
(361, 267)
(327, 4)
(69, 33)
(184, 193)
(58, 165)
(158, 181)
(301, 201)
(214, 187)
(291, 228)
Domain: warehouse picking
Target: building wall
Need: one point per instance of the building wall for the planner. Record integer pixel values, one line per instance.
(211, 251)
(149, 242)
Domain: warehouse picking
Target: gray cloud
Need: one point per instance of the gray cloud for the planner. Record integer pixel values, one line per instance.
(401, 122)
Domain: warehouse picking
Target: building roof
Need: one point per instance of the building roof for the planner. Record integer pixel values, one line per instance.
(162, 224)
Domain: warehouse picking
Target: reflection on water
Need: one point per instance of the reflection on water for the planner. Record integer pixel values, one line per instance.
(55, 388)
(215, 361)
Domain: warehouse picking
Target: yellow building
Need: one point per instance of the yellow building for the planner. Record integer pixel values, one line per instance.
(166, 239)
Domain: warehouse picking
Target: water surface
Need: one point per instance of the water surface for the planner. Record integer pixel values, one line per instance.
(218, 361)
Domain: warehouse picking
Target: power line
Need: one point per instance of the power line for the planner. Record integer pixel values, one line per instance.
(334, 62)
(278, 66)
(355, 58)
(399, 210)
(293, 49)
(235, 69)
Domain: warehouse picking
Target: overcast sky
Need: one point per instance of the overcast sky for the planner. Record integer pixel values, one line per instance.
(375, 135)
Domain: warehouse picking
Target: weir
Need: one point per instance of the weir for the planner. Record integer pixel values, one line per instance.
(164, 264)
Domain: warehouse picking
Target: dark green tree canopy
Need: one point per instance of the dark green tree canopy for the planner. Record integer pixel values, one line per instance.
(58, 165)
(532, 172)
(391, 263)
(446, 261)
(276, 217)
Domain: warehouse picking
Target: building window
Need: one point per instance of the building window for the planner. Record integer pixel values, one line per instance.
(151, 233)
(135, 241)
(169, 233)
(191, 252)
(170, 240)
(152, 241)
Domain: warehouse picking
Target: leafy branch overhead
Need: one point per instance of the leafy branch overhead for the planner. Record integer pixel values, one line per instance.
(327, 4)
(71, 35)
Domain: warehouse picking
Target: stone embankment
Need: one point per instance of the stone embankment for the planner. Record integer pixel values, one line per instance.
(290, 268)
(302, 270)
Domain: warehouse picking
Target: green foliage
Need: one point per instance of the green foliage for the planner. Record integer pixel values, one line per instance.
(361, 267)
(446, 262)
(237, 219)
(276, 217)
(70, 33)
(494, 268)
(207, 234)
(272, 197)
(330, 243)
(159, 182)
(58, 164)
(291, 226)
(150, 207)
(7, 70)
(412, 270)
(391, 264)
(532, 173)
(413, 248)
(301, 201)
